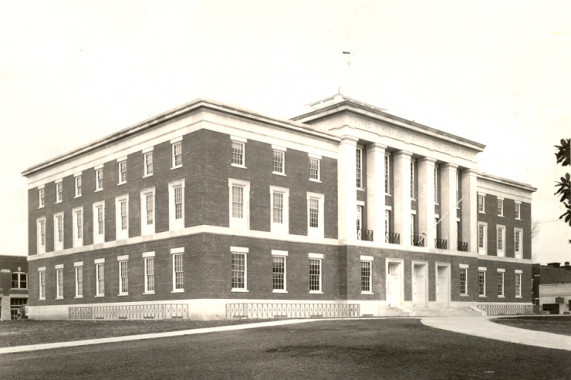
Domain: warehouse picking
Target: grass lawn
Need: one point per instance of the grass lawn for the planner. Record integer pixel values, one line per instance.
(336, 349)
(558, 324)
(25, 332)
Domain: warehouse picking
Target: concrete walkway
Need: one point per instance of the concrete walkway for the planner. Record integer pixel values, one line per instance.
(483, 327)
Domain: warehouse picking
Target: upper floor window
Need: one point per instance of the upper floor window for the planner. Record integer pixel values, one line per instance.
(239, 204)
(518, 210)
(58, 231)
(500, 207)
(314, 168)
(238, 151)
(279, 209)
(77, 227)
(315, 214)
(176, 153)
(176, 205)
(412, 181)
(359, 220)
(122, 217)
(148, 212)
(482, 203)
(147, 163)
(458, 188)
(482, 238)
(279, 160)
(122, 171)
(98, 222)
(98, 179)
(19, 280)
(518, 240)
(436, 184)
(59, 191)
(41, 197)
(501, 239)
(41, 235)
(77, 185)
(387, 173)
(359, 168)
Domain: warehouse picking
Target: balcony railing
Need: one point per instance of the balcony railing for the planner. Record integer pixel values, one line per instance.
(417, 240)
(463, 246)
(365, 235)
(441, 243)
(392, 238)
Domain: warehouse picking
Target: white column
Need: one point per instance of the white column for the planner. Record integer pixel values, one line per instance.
(448, 205)
(401, 204)
(425, 211)
(347, 189)
(470, 209)
(376, 190)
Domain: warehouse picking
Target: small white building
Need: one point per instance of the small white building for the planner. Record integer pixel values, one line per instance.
(555, 298)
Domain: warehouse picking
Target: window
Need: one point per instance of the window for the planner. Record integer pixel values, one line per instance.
(518, 210)
(387, 225)
(315, 214)
(501, 238)
(58, 231)
(500, 207)
(482, 282)
(19, 280)
(77, 227)
(518, 240)
(98, 222)
(77, 185)
(99, 277)
(463, 280)
(59, 281)
(122, 217)
(458, 188)
(387, 174)
(41, 197)
(123, 275)
(41, 235)
(239, 269)
(436, 184)
(412, 182)
(177, 270)
(482, 238)
(98, 179)
(279, 271)
(78, 279)
(366, 274)
(279, 209)
(148, 212)
(314, 168)
(42, 283)
(122, 171)
(148, 163)
(518, 283)
(315, 281)
(359, 168)
(149, 263)
(412, 227)
(279, 160)
(501, 282)
(359, 220)
(239, 204)
(481, 203)
(59, 191)
(176, 205)
(176, 153)
(238, 152)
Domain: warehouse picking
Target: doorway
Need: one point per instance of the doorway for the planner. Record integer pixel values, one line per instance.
(419, 287)
(443, 285)
(394, 283)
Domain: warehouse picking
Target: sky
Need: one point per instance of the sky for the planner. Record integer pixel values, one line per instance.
(496, 72)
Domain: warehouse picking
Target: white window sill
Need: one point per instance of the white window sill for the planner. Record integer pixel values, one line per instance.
(463, 295)
(147, 175)
(367, 292)
(315, 292)
(58, 201)
(315, 180)
(151, 292)
(239, 290)
(76, 297)
(121, 183)
(98, 190)
(239, 166)
(517, 218)
(279, 291)
(500, 215)
(122, 294)
(361, 188)
(41, 299)
(59, 298)
(177, 291)
(388, 194)
(77, 196)
(518, 297)
(176, 167)
(40, 207)
(482, 295)
(278, 173)
(501, 296)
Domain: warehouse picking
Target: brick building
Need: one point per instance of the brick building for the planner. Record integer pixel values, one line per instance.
(13, 285)
(212, 211)
(552, 287)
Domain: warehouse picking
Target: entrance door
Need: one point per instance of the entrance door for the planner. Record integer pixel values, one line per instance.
(442, 285)
(394, 284)
(419, 285)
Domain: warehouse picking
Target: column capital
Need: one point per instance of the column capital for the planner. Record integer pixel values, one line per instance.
(428, 160)
(403, 153)
(377, 146)
(449, 165)
(349, 139)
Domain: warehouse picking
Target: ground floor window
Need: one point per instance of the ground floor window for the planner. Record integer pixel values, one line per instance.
(500, 284)
(482, 282)
(238, 271)
(123, 277)
(16, 306)
(463, 281)
(366, 276)
(518, 283)
(315, 274)
(278, 272)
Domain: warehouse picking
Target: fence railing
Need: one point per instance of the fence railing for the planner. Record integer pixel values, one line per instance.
(463, 246)
(291, 310)
(365, 235)
(506, 309)
(417, 240)
(441, 243)
(150, 311)
(392, 238)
